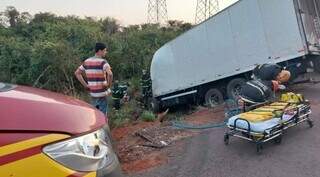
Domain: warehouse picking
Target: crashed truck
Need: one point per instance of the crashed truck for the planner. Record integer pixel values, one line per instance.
(210, 62)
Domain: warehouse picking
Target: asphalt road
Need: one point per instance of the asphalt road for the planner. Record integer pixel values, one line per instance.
(205, 155)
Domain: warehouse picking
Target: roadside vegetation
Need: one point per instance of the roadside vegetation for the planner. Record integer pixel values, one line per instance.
(43, 50)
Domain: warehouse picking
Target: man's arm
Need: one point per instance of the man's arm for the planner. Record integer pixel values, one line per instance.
(109, 77)
(80, 78)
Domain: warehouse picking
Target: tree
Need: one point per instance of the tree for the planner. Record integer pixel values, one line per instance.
(24, 18)
(13, 18)
(44, 17)
(12, 15)
(110, 25)
(179, 25)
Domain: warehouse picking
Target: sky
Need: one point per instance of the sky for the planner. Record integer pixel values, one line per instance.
(126, 11)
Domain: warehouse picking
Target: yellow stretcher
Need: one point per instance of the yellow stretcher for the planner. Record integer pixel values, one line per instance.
(265, 112)
(274, 118)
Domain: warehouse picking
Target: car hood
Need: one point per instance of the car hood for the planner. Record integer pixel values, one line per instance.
(30, 109)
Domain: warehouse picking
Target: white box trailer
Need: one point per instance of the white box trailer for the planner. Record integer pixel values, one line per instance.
(208, 62)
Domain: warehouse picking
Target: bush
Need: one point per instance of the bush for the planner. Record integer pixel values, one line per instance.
(128, 111)
(148, 116)
(118, 117)
(135, 84)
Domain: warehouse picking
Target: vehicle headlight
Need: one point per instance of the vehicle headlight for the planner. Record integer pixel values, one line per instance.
(90, 152)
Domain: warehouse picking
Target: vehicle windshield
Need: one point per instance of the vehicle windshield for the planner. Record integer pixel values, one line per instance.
(6, 87)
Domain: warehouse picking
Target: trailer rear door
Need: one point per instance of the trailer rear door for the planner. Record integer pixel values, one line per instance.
(310, 11)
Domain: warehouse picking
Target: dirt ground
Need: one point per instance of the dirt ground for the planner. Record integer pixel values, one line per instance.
(138, 153)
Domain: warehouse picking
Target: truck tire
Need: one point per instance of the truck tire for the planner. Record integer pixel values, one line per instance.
(213, 98)
(316, 63)
(234, 87)
(155, 105)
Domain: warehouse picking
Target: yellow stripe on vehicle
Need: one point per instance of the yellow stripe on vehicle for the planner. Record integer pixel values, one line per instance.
(22, 145)
(92, 174)
(38, 165)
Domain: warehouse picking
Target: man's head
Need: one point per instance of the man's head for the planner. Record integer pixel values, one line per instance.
(101, 49)
(283, 76)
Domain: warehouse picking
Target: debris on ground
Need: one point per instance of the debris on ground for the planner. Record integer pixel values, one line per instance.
(142, 139)
(162, 116)
(159, 137)
(142, 145)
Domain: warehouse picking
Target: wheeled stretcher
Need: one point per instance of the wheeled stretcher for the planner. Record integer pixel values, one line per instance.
(260, 132)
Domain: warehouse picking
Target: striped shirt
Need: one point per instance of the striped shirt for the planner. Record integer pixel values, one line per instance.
(95, 70)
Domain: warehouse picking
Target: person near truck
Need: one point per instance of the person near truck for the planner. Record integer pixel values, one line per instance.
(119, 94)
(269, 72)
(98, 74)
(145, 83)
(267, 79)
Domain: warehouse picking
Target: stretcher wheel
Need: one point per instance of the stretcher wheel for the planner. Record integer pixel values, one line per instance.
(226, 139)
(245, 134)
(310, 123)
(278, 140)
(259, 148)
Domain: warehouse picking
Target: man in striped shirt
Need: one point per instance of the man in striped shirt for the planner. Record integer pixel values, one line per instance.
(98, 76)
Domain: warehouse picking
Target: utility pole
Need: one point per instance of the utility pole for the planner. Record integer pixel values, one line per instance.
(205, 9)
(157, 11)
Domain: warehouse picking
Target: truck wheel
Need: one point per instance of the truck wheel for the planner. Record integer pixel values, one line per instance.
(316, 63)
(213, 97)
(155, 105)
(234, 87)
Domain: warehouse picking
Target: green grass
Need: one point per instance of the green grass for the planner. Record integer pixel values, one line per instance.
(148, 116)
(129, 111)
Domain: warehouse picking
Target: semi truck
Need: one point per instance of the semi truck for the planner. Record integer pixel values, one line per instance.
(211, 61)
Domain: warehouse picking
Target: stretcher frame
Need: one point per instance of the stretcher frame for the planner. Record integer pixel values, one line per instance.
(303, 111)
